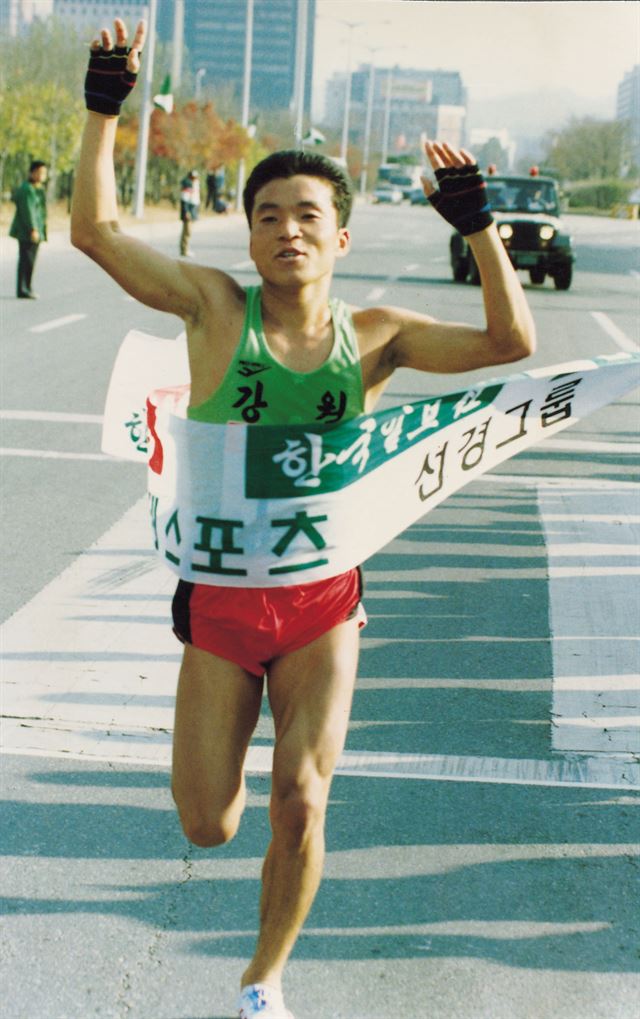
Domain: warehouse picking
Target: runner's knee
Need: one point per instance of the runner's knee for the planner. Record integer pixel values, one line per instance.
(298, 807)
(208, 831)
(204, 825)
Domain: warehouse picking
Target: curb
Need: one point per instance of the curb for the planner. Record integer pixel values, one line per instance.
(147, 231)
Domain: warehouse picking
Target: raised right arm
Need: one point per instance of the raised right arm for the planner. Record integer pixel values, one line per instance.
(155, 279)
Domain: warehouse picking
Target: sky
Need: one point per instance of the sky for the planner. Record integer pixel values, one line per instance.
(500, 47)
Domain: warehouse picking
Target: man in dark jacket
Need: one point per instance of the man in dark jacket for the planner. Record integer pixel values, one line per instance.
(29, 225)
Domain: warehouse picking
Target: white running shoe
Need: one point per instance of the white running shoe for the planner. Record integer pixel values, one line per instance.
(262, 1001)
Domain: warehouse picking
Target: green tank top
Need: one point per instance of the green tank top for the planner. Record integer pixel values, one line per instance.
(258, 389)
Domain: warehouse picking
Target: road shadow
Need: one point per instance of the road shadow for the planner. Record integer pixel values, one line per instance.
(457, 660)
(501, 873)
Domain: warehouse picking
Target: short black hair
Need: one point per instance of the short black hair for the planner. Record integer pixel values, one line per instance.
(290, 163)
(36, 164)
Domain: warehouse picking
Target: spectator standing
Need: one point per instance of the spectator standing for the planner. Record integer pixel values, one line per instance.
(189, 208)
(212, 192)
(29, 226)
(215, 190)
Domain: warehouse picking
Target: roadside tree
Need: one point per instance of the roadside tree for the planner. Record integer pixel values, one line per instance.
(587, 149)
(41, 118)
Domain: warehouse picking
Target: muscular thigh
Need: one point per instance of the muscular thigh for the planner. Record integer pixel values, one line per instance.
(217, 708)
(310, 692)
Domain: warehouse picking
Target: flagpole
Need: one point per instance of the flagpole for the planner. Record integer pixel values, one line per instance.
(145, 115)
(246, 95)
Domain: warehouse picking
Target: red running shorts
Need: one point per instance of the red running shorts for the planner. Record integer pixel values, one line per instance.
(252, 626)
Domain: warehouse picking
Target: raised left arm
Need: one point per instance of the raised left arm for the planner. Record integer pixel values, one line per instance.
(417, 341)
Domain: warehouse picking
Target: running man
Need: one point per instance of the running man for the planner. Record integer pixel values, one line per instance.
(303, 640)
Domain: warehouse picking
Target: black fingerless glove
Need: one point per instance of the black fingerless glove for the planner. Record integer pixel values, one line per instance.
(462, 198)
(108, 82)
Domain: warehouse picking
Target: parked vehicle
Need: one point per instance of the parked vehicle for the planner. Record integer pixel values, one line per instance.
(527, 214)
(405, 176)
(387, 194)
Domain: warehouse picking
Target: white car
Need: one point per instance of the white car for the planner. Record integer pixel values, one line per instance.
(388, 194)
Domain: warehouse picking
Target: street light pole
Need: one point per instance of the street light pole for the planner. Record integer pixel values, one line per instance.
(367, 130)
(300, 69)
(200, 73)
(246, 95)
(145, 115)
(347, 98)
(387, 117)
(178, 44)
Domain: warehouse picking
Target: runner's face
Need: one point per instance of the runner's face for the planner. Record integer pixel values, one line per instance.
(295, 237)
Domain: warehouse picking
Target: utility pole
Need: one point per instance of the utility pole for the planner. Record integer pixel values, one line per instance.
(387, 117)
(178, 44)
(367, 130)
(246, 96)
(145, 114)
(300, 69)
(347, 97)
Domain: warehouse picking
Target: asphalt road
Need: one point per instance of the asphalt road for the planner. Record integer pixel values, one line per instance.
(481, 850)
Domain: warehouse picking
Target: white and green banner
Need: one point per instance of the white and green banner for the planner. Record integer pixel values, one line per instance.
(244, 506)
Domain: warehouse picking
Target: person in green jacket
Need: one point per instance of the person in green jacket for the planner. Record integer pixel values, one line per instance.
(29, 225)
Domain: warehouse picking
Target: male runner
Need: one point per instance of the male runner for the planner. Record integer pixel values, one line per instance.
(304, 639)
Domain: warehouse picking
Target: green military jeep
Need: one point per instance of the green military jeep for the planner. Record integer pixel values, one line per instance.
(527, 214)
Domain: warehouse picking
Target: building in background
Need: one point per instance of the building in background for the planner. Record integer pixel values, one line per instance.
(628, 109)
(96, 14)
(415, 103)
(497, 144)
(89, 15)
(214, 35)
(15, 15)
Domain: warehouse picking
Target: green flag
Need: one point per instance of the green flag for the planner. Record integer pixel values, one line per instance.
(314, 137)
(164, 99)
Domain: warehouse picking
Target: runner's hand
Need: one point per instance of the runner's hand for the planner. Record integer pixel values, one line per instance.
(461, 197)
(112, 70)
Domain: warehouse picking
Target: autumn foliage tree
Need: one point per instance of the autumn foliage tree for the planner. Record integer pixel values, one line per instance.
(42, 114)
(42, 110)
(193, 136)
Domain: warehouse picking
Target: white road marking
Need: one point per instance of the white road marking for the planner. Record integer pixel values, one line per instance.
(377, 292)
(599, 683)
(587, 446)
(585, 549)
(560, 484)
(90, 668)
(593, 622)
(51, 454)
(597, 518)
(493, 930)
(616, 334)
(584, 570)
(57, 323)
(51, 415)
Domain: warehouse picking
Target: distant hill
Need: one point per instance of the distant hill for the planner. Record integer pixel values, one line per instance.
(530, 115)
